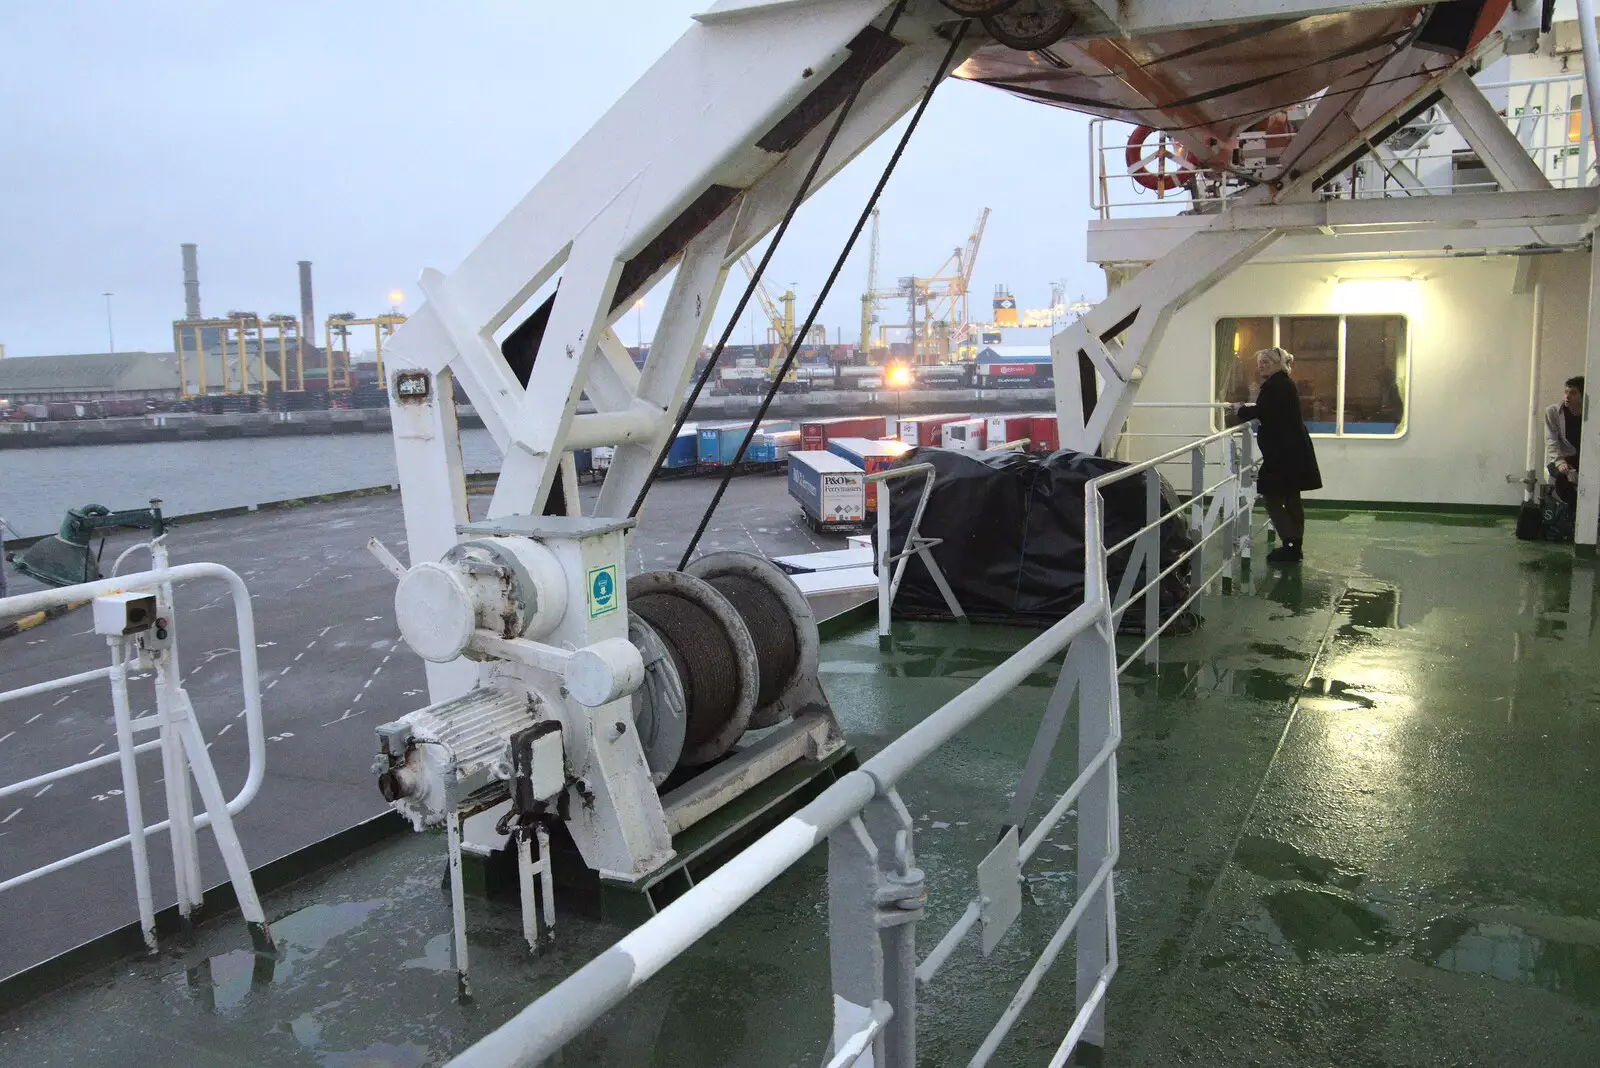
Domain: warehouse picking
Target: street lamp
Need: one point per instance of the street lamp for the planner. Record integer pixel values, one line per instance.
(638, 309)
(111, 337)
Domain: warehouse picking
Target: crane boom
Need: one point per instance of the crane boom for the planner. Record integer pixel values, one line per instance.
(869, 296)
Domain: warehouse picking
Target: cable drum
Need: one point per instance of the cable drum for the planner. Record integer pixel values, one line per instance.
(771, 628)
(711, 649)
(781, 626)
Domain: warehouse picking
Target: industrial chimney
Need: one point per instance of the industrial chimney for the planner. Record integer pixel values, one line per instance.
(191, 283)
(308, 325)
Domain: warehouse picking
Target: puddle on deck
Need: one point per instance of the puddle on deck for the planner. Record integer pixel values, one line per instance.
(1559, 954)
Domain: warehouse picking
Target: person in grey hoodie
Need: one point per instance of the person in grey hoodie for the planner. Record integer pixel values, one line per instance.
(1563, 440)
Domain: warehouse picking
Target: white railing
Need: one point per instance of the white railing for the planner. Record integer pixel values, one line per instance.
(182, 745)
(1545, 114)
(891, 566)
(875, 890)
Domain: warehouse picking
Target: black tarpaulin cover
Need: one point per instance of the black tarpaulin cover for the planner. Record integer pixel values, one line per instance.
(1012, 530)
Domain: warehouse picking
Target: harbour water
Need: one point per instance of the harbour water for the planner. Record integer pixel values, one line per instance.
(38, 485)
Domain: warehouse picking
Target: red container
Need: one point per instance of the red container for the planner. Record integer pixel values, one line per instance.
(1004, 428)
(1045, 434)
(816, 433)
(924, 430)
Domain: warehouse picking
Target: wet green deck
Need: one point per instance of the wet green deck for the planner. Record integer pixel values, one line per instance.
(1361, 826)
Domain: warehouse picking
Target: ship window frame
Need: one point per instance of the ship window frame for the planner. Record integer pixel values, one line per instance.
(1403, 357)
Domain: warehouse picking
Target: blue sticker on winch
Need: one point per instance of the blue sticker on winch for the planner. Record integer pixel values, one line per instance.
(602, 590)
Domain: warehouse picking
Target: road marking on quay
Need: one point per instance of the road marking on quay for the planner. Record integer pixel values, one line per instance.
(35, 716)
(44, 790)
(97, 748)
(11, 817)
(6, 735)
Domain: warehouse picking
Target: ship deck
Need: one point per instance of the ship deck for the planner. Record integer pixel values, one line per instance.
(1359, 826)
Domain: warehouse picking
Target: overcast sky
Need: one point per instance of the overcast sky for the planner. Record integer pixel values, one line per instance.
(378, 139)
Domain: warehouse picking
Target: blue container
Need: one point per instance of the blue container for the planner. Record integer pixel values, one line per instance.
(682, 453)
(761, 452)
(719, 443)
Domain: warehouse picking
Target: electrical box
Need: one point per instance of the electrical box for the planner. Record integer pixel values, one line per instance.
(118, 614)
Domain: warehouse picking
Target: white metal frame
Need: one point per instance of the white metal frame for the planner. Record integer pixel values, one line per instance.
(891, 566)
(182, 745)
(876, 891)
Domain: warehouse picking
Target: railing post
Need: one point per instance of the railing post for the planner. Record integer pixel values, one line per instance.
(1097, 717)
(875, 897)
(1152, 564)
(1197, 490)
(885, 596)
(132, 800)
(1246, 490)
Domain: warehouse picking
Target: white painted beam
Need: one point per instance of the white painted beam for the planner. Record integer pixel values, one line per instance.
(1540, 208)
(1464, 104)
(696, 288)
(1588, 515)
(1137, 17)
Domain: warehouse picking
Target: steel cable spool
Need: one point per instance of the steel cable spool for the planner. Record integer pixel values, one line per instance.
(781, 626)
(711, 649)
(777, 648)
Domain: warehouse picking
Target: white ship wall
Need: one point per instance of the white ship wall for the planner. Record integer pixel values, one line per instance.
(1470, 339)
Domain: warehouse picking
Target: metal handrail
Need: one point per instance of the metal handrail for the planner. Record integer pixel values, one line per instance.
(542, 1028)
(889, 586)
(179, 734)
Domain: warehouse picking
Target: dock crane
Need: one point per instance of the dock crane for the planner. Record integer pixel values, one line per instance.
(942, 296)
(781, 331)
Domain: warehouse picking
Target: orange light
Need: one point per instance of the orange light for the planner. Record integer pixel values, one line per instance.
(899, 376)
(396, 297)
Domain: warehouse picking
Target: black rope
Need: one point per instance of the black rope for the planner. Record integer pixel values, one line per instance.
(833, 275)
(755, 280)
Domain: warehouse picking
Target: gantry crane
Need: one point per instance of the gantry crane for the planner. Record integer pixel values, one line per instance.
(781, 332)
(942, 298)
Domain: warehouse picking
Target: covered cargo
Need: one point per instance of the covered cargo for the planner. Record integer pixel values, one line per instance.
(816, 433)
(924, 430)
(871, 456)
(966, 435)
(1012, 537)
(831, 490)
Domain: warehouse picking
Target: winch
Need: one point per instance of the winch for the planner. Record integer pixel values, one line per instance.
(594, 694)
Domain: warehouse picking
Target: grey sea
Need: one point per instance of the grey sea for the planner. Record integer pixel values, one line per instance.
(38, 485)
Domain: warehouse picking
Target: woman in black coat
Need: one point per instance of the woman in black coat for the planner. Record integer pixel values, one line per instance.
(1288, 462)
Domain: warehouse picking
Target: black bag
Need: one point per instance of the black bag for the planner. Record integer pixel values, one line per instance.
(1012, 535)
(1558, 519)
(1530, 522)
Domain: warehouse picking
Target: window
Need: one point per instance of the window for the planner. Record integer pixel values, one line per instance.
(1350, 370)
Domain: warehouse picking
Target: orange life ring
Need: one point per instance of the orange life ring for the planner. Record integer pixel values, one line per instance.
(1152, 171)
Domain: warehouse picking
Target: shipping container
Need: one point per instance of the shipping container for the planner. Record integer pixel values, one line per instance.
(815, 433)
(871, 456)
(1046, 434)
(966, 435)
(831, 490)
(1003, 428)
(925, 430)
(718, 443)
(771, 446)
(685, 449)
